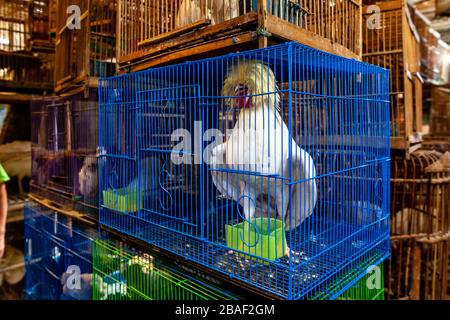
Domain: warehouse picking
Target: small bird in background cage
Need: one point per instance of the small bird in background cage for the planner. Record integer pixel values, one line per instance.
(191, 11)
(259, 145)
(87, 176)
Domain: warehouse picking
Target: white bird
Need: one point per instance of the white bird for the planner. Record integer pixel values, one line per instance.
(262, 148)
(191, 11)
(87, 177)
(411, 221)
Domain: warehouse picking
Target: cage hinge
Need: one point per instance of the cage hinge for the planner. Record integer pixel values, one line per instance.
(263, 32)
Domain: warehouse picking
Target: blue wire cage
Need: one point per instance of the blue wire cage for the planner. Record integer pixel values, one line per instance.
(271, 166)
(57, 249)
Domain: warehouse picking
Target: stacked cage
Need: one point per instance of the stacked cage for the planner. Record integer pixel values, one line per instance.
(57, 249)
(121, 272)
(162, 31)
(21, 65)
(270, 166)
(420, 205)
(64, 151)
(85, 42)
(390, 40)
(370, 287)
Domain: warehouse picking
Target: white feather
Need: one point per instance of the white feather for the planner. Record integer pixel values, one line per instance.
(191, 11)
(260, 143)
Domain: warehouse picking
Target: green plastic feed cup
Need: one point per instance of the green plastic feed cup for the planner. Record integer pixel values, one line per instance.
(121, 200)
(262, 237)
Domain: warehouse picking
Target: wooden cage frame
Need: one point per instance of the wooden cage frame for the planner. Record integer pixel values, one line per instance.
(84, 54)
(26, 62)
(256, 28)
(395, 46)
(420, 226)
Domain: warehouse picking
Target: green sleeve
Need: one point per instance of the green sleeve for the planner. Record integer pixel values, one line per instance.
(3, 175)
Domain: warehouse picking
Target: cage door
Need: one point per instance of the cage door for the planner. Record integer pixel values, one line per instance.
(169, 165)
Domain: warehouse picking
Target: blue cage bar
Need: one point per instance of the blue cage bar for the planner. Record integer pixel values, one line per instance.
(271, 165)
(57, 249)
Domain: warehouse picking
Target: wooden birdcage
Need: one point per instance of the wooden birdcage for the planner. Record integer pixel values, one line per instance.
(21, 67)
(420, 225)
(158, 32)
(390, 40)
(85, 42)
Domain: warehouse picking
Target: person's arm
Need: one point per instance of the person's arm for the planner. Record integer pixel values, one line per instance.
(3, 216)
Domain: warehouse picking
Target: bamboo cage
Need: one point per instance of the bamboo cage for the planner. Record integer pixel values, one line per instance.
(394, 45)
(420, 226)
(86, 51)
(164, 31)
(21, 68)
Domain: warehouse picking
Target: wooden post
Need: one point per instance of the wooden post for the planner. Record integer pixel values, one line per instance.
(359, 31)
(262, 23)
(408, 85)
(444, 271)
(415, 286)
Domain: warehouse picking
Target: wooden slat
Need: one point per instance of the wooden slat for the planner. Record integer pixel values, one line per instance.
(386, 5)
(61, 209)
(283, 29)
(208, 47)
(230, 25)
(175, 33)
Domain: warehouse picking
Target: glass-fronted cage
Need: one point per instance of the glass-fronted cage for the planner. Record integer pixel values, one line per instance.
(57, 250)
(64, 150)
(271, 165)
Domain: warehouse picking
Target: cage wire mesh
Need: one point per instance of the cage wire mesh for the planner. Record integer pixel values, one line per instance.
(64, 150)
(299, 190)
(369, 287)
(420, 204)
(396, 49)
(56, 247)
(18, 64)
(121, 272)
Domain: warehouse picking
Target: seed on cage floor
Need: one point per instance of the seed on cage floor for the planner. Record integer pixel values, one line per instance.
(358, 244)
